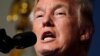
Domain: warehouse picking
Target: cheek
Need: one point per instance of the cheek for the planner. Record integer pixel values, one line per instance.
(64, 27)
(36, 26)
(66, 30)
(37, 30)
(67, 26)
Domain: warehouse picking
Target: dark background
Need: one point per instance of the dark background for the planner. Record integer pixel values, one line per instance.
(95, 45)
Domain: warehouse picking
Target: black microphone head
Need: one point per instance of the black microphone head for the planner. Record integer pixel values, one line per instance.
(2, 33)
(23, 40)
(6, 43)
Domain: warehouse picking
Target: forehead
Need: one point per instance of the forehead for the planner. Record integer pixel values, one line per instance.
(51, 3)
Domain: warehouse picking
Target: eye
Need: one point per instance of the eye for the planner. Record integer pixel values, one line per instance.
(60, 13)
(39, 14)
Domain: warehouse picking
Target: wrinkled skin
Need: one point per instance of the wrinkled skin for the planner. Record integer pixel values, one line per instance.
(53, 16)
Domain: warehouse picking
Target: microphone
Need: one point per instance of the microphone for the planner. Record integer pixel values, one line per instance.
(23, 40)
(19, 41)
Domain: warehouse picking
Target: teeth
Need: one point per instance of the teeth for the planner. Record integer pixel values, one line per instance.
(48, 36)
(48, 39)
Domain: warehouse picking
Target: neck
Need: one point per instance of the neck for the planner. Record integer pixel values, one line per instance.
(79, 51)
(83, 52)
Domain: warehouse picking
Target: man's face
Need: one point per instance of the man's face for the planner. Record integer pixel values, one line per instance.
(56, 30)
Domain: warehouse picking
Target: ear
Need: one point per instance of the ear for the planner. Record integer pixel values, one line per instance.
(86, 33)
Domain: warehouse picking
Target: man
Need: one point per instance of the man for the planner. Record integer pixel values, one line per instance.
(62, 27)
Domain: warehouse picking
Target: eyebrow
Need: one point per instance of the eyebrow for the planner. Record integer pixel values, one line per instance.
(60, 6)
(54, 8)
(38, 9)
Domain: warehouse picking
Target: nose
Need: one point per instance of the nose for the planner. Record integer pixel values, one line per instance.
(48, 22)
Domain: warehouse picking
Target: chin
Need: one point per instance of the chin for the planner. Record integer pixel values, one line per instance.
(48, 51)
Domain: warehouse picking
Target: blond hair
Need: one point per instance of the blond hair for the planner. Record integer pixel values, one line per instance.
(84, 11)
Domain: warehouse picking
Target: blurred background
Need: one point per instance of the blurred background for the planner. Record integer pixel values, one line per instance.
(14, 19)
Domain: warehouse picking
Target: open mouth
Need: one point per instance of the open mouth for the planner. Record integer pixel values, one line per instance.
(48, 36)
